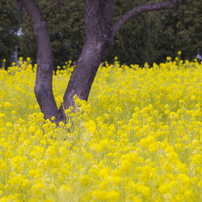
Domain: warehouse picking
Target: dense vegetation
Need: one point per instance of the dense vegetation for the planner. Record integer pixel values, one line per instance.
(149, 37)
(137, 139)
(9, 25)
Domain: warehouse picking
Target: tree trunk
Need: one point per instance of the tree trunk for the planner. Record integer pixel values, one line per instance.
(84, 73)
(98, 39)
(43, 86)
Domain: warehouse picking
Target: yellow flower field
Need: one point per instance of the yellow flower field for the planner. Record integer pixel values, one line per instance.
(138, 138)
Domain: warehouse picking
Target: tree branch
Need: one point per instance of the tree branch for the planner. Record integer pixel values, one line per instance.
(141, 9)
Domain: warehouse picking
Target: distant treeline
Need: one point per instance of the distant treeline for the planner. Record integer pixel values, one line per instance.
(149, 37)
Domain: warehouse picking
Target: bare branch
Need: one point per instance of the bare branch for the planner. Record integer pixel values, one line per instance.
(141, 9)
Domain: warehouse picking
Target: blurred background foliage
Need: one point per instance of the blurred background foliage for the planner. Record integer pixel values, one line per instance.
(149, 37)
(66, 29)
(9, 25)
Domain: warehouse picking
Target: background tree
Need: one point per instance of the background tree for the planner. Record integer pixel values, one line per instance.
(130, 45)
(174, 31)
(155, 35)
(66, 30)
(149, 37)
(130, 41)
(99, 35)
(9, 25)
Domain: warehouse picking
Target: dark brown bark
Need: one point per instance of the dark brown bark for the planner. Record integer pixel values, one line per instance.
(99, 36)
(43, 86)
(98, 17)
(141, 9)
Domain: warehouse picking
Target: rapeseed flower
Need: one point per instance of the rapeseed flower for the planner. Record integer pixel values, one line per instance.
(138, 138)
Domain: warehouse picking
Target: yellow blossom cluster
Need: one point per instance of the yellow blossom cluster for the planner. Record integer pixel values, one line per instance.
(138, 138)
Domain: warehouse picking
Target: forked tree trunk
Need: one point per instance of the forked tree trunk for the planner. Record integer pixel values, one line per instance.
(99, 36)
